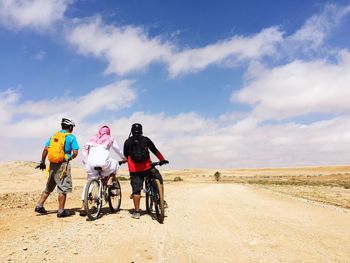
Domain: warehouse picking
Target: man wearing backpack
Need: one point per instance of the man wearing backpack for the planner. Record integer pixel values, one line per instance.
(136, 150)
(60, 149)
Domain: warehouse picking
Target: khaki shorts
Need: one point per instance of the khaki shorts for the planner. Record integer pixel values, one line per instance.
(64, 185)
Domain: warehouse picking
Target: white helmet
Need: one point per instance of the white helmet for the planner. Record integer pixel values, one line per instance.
(67, 122)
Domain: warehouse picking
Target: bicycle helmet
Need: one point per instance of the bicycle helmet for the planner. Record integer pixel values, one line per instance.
(67, 123)
(136, 129)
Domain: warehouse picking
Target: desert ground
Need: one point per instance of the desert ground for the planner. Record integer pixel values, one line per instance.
(248, 215)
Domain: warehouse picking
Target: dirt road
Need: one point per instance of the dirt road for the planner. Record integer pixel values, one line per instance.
(204, 223)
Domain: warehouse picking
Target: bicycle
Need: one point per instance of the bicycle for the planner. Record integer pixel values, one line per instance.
(97, 192)
(154, 194)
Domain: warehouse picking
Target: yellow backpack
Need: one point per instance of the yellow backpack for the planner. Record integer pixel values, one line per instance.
(56, 148)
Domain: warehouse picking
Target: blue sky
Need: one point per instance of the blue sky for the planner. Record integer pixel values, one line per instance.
(215, 84)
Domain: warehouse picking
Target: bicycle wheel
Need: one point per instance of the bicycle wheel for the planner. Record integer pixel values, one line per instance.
(148, 199)
(159, 201)
(114, 196)
(92, 199)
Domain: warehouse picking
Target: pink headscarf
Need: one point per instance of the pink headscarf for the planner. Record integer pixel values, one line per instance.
(103, 137)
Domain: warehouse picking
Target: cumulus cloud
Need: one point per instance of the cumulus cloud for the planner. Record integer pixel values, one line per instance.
(36, 14)
(298, 88)
(30, 119)
(237, 48)
(191, 140)
(128, 48)
(125, 48)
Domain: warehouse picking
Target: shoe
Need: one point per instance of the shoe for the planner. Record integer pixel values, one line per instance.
(165, 204)
(40, 210)
(82, 213)
(65, 213)
(136, 215)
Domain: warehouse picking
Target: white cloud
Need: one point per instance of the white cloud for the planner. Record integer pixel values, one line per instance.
(278, 92)
(36, 14)
(298, 88)
(128, 48)
(317, 28)
(237, 48)
(190, 140)
(125, 48)
(30, 119)
(8, 99)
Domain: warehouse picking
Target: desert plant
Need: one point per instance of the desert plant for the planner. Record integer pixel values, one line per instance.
(178, 179)
(217, 176)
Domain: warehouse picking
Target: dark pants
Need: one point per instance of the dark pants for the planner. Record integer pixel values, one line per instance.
(137, 179)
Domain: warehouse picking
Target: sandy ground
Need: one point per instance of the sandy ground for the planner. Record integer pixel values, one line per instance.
(205, 222)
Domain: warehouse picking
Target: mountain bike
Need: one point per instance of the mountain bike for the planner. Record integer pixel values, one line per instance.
(154, 194)
(97, 193)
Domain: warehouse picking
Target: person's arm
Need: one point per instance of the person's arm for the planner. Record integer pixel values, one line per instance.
(44, 154)
(126, 149)
(75, 148)
(154, 150)
(85, 152)
(74, 154)
(116, 148)
(42, 165)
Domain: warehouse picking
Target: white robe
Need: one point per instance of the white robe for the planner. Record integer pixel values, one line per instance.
(99, 155)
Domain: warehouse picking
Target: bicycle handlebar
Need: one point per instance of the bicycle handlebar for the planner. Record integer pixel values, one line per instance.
(153, 164)
(160, 163)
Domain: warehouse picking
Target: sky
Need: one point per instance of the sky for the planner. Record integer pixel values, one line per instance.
(215, 84)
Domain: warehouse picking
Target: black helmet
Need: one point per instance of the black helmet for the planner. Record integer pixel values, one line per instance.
(136, 129)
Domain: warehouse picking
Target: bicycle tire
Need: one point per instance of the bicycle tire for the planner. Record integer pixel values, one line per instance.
(92, 199)
(114, 196)
(148, 198)
(159, 202)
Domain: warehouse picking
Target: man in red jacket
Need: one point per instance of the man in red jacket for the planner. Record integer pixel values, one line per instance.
(136, 150)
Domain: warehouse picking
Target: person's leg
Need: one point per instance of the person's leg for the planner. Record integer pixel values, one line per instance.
(111, 170)
(136, 199)
(39, 208)
(136, 181)
(111, 179)
(50, 186)
(61, 201)
(42, 199)
(64, 186)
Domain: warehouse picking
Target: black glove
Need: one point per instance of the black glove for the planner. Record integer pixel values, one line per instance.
(41, 166)
(123, 161)
(163, 162)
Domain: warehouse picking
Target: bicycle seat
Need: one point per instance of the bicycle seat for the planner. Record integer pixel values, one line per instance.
(98, 168)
